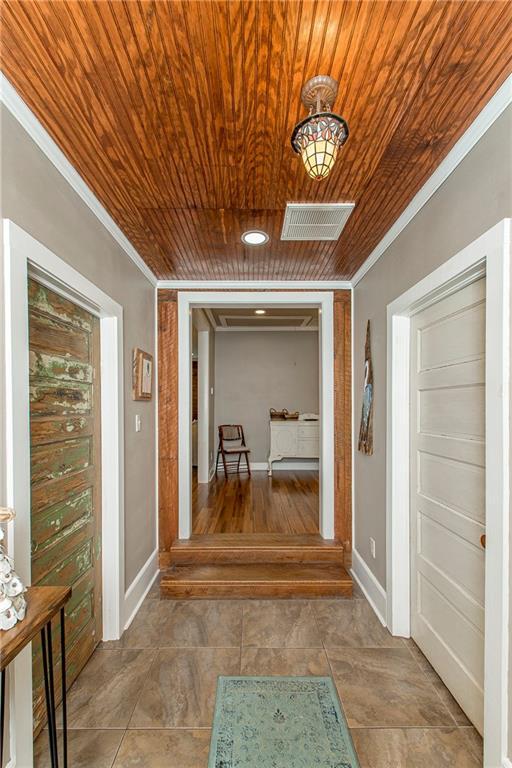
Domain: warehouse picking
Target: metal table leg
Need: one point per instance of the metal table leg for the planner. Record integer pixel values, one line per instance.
(63, 678)
(46, 642)
(2, 716)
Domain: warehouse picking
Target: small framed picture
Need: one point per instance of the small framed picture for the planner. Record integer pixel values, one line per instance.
(142, 375)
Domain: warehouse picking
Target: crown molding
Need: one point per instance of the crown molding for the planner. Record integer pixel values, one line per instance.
(489, 114)
(255, 285)
(26, 118)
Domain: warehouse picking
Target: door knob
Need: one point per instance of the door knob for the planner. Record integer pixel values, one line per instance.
(482, 540)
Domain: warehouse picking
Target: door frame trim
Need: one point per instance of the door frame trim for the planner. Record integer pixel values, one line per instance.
(23, 255)
(203, 406)
(488, 255)
(324, 300)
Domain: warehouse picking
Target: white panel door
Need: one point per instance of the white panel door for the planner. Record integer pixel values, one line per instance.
(448, 491)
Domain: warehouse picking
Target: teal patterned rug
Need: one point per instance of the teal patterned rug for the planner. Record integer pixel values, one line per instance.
(279, 722)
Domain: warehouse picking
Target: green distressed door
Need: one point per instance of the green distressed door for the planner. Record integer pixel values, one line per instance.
(65, 472)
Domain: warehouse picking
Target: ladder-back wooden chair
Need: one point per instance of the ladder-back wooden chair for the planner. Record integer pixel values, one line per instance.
(232, 445)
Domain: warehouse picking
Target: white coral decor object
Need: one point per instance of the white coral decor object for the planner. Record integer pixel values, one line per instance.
(12, 602)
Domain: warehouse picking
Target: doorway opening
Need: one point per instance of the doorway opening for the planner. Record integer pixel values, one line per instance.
(215, 371)
(255, 419)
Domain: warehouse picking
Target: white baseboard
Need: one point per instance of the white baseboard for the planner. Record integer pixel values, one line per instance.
(371, 588)
(280, 465)
(139, 588)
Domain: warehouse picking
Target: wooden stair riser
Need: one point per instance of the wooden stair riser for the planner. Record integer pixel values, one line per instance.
(240, 549)
(251, 591)
(241, 556)
(256, 580)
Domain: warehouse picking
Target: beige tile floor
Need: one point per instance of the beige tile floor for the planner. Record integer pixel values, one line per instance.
(147, 700)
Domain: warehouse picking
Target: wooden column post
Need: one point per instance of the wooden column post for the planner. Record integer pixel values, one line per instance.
(167, 422)
(343, 421)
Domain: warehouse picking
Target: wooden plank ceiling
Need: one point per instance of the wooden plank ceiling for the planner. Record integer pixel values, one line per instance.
(178, 114)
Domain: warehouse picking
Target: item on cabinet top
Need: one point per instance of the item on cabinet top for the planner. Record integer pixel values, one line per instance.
(276, 415)
(309, 417)
(283, 415)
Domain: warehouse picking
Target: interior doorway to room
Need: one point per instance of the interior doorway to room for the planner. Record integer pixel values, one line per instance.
(255, 420)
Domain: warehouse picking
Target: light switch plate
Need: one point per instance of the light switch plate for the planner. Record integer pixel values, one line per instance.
(372, 547)
(138, 423)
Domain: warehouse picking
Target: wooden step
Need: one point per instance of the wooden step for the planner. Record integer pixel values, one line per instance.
(257, 580)
(255, 548)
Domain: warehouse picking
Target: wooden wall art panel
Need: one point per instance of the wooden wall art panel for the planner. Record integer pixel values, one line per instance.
(178, 115)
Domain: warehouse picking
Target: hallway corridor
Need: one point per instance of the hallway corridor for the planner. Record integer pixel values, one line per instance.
(147, 700)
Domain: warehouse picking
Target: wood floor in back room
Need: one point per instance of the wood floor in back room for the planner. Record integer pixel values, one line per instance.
(286, 503)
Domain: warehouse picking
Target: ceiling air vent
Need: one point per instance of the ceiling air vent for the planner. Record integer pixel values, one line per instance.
(315, 221)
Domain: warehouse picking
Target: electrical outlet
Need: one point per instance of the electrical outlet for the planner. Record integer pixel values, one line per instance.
(138, 423)
(372, 547)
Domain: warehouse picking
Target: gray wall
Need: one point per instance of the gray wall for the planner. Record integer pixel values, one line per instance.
(474, 197)
(37, 198)
(255, 371)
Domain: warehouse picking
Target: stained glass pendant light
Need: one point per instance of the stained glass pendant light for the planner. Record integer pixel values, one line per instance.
(319, 136)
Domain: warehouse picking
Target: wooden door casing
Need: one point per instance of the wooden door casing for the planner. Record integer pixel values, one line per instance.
(65, 442)
(168, 489)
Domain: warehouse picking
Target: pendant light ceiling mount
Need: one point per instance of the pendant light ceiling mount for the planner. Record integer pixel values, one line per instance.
(319, 136)
(318, 91)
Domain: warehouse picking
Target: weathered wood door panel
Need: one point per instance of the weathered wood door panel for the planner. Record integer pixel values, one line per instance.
(65, 471)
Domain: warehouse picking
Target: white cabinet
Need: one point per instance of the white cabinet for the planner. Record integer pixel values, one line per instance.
(293, 440)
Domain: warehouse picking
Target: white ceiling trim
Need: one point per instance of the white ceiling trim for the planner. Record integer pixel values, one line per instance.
(262, 318)
(489, 114)
(259, 285)
(259, 323)
(210, 317)
(24, 115)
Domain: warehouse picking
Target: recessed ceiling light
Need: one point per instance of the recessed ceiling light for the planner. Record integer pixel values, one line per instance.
(260, 311)
(255, 237)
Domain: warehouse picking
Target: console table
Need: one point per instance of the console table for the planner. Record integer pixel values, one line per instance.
(43, 604)
(293, 439)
